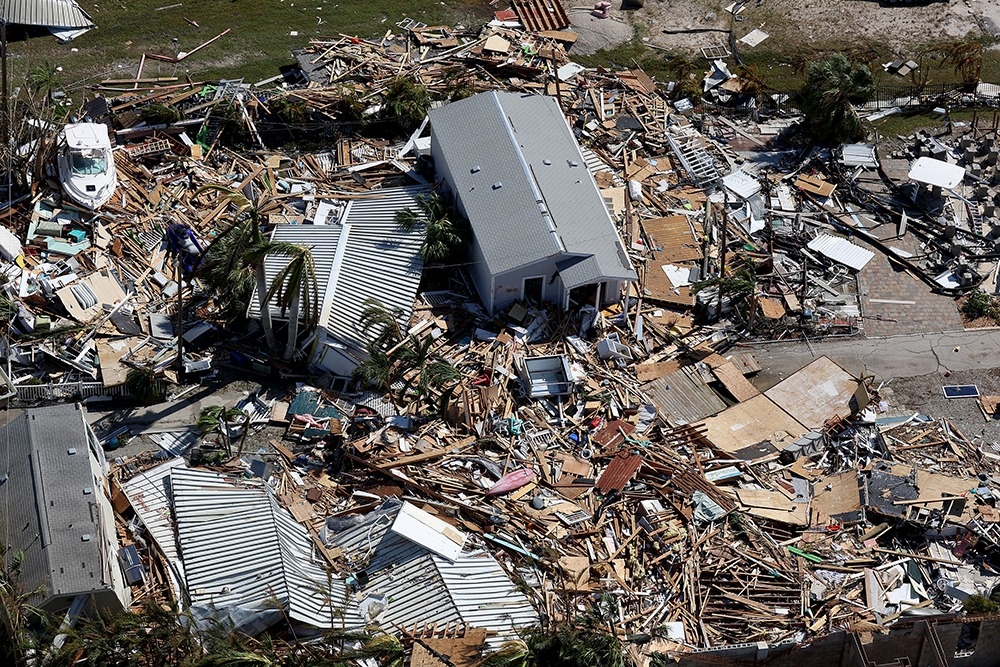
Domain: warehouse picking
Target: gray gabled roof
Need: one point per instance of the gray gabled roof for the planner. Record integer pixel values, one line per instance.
(46, 502)
(524, 183)
(46, 13)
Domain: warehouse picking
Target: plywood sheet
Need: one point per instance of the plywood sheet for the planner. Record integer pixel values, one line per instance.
(748, 423)
(815, 393)
(774, 506)
(734, 382)
(671, 239)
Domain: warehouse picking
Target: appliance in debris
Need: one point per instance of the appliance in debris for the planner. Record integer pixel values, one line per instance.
(86, 165)
(546, 376)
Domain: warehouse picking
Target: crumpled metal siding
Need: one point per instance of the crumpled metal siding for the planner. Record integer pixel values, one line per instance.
(243, 550)
(841, 250)
(424, 588)
(150, 497)
(47, 13)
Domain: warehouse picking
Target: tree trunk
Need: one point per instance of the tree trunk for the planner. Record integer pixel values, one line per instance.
(293, 326)
(265, 309)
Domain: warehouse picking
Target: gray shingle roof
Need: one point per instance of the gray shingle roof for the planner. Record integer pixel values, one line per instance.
(47, 13)
(44, 508)
(507, 151)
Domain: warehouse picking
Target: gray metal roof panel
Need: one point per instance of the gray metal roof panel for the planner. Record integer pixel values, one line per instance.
(47, 13)
(150, 495)
(523, 143)
(682, 397)
(426, 588)
(243, 551)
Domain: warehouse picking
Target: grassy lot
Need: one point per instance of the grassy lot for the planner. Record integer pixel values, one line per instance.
(259, 43)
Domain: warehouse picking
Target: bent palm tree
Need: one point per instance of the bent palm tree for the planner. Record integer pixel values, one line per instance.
(234, 261)
(833, 87)
(443, 235)
(296, 278)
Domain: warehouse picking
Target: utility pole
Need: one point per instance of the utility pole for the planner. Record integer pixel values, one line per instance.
(724, 247)
(5, 121)
(179, 267)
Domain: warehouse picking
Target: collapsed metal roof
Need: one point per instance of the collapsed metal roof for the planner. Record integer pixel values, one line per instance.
(46, 13)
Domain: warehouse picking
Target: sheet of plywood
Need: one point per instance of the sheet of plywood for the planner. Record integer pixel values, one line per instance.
(774, 506)
(816, 392)
(734, 382)
(672, 240)
(655, 370)
(748, 423)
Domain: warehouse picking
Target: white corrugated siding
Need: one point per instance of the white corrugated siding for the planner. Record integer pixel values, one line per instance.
(378, 261)
(424, 588)
(485, 595)
(149, 494)
(841, 250)
(247, 557)
(47, 13)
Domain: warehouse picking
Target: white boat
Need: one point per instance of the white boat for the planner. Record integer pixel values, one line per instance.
(86, 165)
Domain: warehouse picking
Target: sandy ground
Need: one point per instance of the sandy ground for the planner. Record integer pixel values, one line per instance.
(807, 23)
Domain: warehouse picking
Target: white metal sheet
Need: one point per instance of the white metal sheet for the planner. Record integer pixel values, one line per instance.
(936, 172)
(841, 250)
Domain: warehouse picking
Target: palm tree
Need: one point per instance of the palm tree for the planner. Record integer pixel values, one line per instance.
(17, 642)
(234, 261)
(143, 385)
(298, 276)
(967, 57)
(443, 236)
(833, 87)
(376, 315)
(406, 101)
(423, 367)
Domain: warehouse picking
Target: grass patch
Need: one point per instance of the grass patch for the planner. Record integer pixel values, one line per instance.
(627, 56)
(260, 41)
(908, 122)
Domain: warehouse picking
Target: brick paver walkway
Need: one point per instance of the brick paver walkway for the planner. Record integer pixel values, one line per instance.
(894, 303)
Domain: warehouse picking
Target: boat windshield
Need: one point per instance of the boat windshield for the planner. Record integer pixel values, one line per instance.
(88, 161)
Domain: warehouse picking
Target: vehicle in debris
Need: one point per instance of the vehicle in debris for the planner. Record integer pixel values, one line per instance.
(86, 165)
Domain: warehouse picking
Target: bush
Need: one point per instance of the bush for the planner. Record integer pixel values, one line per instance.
(978, 304)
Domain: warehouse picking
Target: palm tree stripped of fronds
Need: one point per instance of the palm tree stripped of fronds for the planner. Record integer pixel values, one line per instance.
(833, 87)
(443, 236)
(227, 264)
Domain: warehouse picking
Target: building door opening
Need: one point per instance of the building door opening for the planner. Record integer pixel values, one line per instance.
(531, 289)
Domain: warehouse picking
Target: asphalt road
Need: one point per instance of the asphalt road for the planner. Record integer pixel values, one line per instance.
(886, 358)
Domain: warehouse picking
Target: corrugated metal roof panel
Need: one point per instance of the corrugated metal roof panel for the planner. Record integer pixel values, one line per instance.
(150, 496)
(618, 472)
(247, 557)
(429, 589)
(683, 397)
(54, 13)
(841, 250)
(368, 256)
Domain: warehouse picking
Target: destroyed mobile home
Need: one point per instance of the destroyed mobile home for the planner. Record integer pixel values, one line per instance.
(569, 422)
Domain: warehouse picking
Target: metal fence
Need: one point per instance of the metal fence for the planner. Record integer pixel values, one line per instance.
(29, 393)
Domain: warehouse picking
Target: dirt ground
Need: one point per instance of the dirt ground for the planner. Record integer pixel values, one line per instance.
(924, 394)
(688, 25)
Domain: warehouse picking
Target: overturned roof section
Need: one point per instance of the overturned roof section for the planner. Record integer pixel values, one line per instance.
(248, 559)
(524, 184)
(364, 256)
(46, 13)
(426, 588)
(47, 500)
